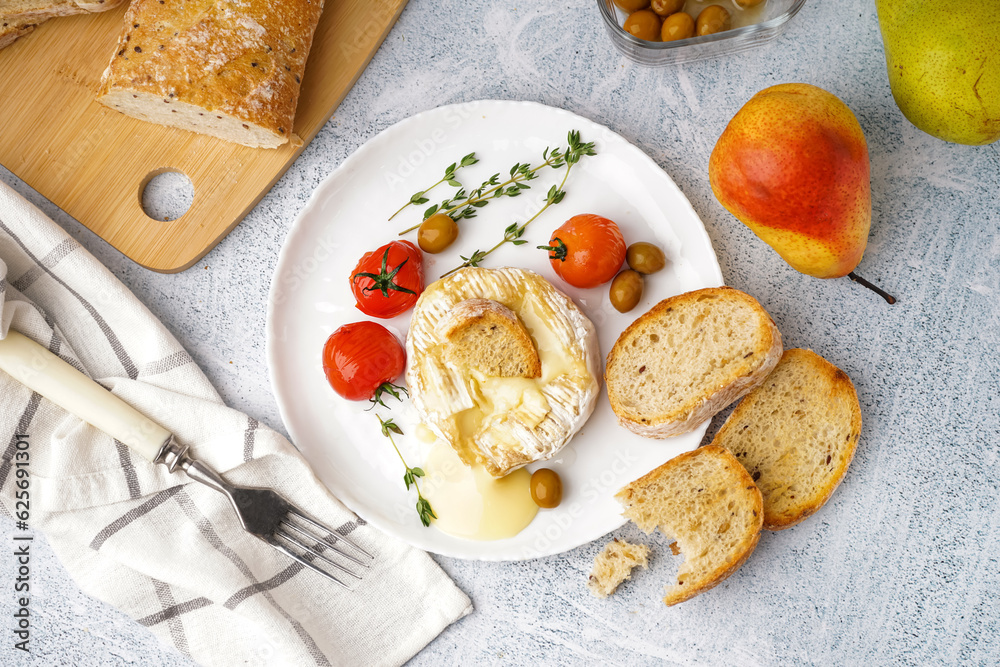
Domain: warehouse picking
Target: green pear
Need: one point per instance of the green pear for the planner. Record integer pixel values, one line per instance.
(943, 60)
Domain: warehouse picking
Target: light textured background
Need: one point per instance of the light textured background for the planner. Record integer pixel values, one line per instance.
(901, 567)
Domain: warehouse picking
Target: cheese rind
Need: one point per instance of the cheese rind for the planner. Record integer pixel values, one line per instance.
(504, 423)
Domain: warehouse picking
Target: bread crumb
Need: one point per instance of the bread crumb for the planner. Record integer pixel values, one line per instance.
(614, 565)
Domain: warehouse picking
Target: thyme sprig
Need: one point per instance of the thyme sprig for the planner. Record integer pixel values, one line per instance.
(463, 204)
(449, 177)
(513, 233)
(424, 509)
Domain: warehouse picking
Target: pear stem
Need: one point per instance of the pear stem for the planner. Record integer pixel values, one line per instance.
(875, 288)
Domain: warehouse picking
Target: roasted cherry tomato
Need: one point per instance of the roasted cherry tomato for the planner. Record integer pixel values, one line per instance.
(388, 281)
(361, 357)
(587, 250)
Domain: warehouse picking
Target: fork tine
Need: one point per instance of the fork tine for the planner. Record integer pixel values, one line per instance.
(312, 537)
(291, 554)
(303, 545)
(337, 535)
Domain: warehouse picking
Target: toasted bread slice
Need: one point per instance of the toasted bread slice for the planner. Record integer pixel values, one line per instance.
(796, 435)
(614, 565)
(687, 358)
(707, 502)
(13, 28)
(487, 336)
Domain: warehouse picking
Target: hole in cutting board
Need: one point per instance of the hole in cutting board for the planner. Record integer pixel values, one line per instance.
(166, 194)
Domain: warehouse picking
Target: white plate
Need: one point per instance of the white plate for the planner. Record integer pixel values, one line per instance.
(347, 216)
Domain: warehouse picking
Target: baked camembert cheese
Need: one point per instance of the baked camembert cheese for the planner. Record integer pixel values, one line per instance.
(502, 423)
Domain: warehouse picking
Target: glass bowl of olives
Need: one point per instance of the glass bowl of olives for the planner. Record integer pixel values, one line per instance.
(664, 32)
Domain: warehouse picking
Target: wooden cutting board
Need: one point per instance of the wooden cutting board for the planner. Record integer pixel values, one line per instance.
(93, 162)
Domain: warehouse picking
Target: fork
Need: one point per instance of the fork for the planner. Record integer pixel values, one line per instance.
(262, 512)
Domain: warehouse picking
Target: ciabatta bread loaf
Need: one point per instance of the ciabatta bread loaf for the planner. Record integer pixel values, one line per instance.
(487, 336)
(795, 434)
(19, 17)
(229, 68)
(46, 9)
(688, 358)
(13, 28)
(706, 501)
(614, 565)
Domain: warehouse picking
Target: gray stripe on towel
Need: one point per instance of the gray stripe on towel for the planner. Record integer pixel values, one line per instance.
(286, 574)
(55, 344)
(26, 417)
(116, 344)
(249, 438)
(173, 612)
(133, 514)
(22, 428)
(28, 278)
(125, 456)
(245, 593)
(167, 363)
(174, 623)
(208, 532)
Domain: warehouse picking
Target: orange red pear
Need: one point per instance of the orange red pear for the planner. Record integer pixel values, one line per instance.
(793, 166)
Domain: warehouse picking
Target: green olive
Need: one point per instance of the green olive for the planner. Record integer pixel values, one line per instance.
(632, 5)
(646, 257)
(437, 233)
(626, 290)
(713, 19)
(676, 26)
(643, 24)
(668, 7)
(747, 4)
(546, 488)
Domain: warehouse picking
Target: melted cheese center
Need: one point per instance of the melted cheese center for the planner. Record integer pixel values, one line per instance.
(502, 423)
(469, 503)
(499, 399)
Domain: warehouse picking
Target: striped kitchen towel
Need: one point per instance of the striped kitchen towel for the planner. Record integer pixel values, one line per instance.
(168, 552)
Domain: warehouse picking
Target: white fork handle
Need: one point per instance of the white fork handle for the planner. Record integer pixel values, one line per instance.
(38, 369)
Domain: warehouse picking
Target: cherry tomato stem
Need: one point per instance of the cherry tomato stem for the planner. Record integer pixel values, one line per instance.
(388, 281)
(557, 250)
(382, 281)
